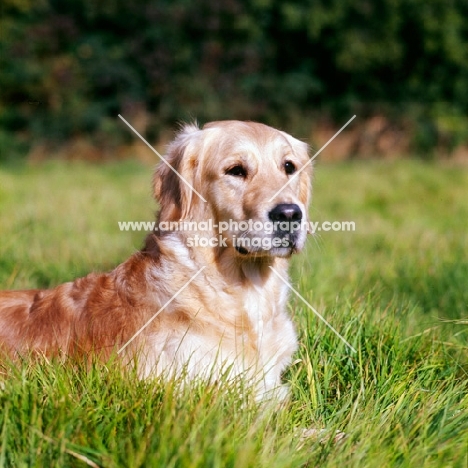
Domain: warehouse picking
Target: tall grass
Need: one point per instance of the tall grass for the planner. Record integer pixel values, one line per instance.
(395, 289)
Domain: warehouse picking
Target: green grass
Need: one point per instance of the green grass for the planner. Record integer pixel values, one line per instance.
(397, 289)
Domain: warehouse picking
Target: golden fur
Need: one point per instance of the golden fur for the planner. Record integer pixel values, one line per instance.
(231, 317)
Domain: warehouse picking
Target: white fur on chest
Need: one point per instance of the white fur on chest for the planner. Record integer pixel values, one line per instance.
(274, 330)
(208, 352)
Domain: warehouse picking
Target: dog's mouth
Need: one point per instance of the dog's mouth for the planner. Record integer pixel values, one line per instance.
(260, 238)
(276, 252)
(283, 245)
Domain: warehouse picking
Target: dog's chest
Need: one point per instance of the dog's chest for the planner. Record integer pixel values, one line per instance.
(241, 328)
(272, 329)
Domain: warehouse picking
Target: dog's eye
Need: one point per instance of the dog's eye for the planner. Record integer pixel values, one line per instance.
(237, 171)
(289, 167)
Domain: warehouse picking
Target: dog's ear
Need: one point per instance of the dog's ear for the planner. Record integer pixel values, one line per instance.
(305, 186)
(301, 150)
(174, 177)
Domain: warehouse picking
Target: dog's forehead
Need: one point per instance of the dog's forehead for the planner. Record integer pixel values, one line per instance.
(249, 130)
(234, 136)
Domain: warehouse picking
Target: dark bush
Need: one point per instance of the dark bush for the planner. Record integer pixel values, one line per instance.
(68, 68)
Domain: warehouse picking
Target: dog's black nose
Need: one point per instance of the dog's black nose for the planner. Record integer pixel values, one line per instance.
(285, 212)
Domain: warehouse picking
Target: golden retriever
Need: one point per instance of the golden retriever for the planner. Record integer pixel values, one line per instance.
(184, 307)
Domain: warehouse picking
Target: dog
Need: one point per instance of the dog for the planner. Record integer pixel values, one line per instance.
(201, 309)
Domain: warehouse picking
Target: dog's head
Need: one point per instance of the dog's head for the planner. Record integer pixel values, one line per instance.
(251, 180)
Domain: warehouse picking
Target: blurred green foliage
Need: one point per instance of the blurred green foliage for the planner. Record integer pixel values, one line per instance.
(68, 68)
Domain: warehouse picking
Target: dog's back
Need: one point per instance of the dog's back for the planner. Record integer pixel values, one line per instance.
(15, 307)
(96, 313)
(50, 320)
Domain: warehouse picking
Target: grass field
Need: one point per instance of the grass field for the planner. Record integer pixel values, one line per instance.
(397, 289)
